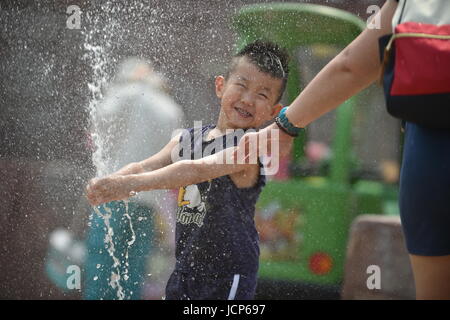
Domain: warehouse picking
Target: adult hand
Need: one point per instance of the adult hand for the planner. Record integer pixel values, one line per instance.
(270, 141)
(110, 188)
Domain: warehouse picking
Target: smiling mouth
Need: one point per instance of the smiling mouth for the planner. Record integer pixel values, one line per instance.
(243, 113)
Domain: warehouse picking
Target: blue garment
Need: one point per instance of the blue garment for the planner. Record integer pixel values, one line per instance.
(425, 190)
(132, 256)
(216, 237)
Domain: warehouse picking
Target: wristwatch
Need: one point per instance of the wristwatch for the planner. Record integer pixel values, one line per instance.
(283, 123)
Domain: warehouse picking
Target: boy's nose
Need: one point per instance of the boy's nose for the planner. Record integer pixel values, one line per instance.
(247, 99)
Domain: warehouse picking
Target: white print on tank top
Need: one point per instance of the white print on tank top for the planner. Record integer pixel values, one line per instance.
(191, 206)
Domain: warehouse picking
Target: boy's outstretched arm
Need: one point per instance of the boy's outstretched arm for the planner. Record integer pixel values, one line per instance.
(176, 175)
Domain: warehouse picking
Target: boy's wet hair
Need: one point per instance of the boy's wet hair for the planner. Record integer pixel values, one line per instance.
(268, 57)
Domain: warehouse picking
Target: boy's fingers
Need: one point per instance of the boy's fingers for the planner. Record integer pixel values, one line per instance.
(92, 199)
(97, 201)
(91, 182)
(90, 186)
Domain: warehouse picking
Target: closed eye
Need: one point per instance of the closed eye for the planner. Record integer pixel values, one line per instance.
(263, 95)
(241, 85)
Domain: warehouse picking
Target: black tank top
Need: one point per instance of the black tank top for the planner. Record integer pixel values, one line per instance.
(215, 229)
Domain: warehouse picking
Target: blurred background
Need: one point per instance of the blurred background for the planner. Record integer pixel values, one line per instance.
(51, 75)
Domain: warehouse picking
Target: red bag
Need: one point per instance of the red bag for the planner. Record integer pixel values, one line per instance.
(422, 55)
(416, 73)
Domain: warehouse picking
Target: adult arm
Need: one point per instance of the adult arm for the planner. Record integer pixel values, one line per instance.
(352, 70)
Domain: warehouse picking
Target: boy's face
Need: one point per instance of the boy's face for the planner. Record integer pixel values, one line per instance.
(248, 97)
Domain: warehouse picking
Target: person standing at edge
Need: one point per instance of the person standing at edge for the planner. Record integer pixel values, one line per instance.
(425, 174)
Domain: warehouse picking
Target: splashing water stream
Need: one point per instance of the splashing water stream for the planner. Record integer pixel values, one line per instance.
(97, 57)
(115, 277)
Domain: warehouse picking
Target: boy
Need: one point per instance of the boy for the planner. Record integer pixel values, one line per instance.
(217, 249)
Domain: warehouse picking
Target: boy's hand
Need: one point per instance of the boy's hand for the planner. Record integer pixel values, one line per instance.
(110, 188)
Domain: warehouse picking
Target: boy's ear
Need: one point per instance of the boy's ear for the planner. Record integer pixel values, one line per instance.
(276, 109)
(220, 84)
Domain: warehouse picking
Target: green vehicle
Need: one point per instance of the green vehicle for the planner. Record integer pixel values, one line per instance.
(304, 221)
